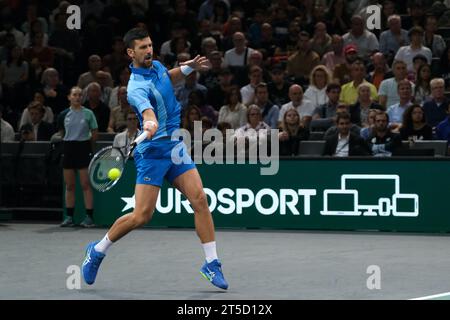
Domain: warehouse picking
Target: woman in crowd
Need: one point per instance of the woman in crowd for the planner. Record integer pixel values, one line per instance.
(292, 133)
(319, 79)
(414, 125)
(422, 90)
(233, 112)
(191, 114)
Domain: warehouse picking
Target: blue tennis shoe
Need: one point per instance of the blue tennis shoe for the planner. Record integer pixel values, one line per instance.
(213, 273)
(91, 263)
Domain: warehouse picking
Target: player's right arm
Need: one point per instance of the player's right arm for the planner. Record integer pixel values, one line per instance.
(139, 99)
(150, 123)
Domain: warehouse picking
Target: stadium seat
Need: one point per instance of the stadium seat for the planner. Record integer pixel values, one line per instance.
(316, 136)
(311, 148)
(105, 136)
(101, 144)
(439, 146)
(321, 124)
(9, 148)
(36, 147)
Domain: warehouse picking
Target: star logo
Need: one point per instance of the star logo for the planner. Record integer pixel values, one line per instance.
(130, 203)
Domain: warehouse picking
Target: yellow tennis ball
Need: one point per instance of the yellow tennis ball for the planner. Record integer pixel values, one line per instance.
(114, 174)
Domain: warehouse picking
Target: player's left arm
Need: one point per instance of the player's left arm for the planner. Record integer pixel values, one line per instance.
(197, 64)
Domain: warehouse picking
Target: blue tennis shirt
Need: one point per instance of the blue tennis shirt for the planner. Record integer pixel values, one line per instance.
(151, 88)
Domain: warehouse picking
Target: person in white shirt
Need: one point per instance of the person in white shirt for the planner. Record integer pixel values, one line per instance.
(239, 55)
(124, 139)
(395, 112)
(365, 41)
(48, 114)
(304, 107)
(254, 121)
(407, 53)
(388, 93)
(317, 90)
(7, 131)
(248, 92)
(253, 134)
(233, 112)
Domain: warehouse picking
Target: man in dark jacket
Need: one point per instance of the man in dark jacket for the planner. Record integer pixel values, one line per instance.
(383, 142)
(42, 130)
(345, 143)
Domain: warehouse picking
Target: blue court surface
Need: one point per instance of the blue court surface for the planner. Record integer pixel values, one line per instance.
(41, 261)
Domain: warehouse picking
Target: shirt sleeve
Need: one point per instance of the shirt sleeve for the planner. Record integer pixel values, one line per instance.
(60, 121)
(383, 89)
(92, 121)
(139, 99)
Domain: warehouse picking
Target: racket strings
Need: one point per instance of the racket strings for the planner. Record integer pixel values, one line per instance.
(102, 164)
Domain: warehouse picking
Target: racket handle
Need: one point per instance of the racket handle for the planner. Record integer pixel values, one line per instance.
(141, 137)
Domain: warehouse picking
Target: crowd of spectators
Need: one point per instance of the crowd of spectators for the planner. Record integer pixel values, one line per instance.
(301, 66)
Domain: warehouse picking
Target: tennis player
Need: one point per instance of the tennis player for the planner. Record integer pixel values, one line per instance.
(150, 93)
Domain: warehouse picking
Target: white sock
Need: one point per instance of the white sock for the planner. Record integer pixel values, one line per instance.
(103, 245)
(210, 251)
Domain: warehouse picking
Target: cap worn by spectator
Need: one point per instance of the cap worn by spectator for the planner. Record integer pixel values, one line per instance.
(350, 48)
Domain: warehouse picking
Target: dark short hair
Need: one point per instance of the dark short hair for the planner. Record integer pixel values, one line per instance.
(134, 34)
(333, 86)
(383, 113)
(26, 128)
(342, 115)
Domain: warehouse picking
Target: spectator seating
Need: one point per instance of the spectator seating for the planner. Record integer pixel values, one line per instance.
(321, 124)
(316, 135)
(105, 136)
(101, 144)
(311, 148)
(439, 146)
(23, 172)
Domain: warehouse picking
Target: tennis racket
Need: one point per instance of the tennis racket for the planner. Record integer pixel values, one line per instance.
(106, 159)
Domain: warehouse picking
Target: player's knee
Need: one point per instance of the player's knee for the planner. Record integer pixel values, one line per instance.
(199, 200)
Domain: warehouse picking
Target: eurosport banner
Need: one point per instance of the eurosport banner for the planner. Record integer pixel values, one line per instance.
(327, 194)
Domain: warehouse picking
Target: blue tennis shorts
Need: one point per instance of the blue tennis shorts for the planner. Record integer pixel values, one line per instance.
(163, 159)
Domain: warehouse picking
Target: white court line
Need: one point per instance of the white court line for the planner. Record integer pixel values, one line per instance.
(433, 296)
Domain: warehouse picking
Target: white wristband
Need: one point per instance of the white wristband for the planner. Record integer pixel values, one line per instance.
(186, 70)
(151, 123)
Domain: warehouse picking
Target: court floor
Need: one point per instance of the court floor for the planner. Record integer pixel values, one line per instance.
(40, 261)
